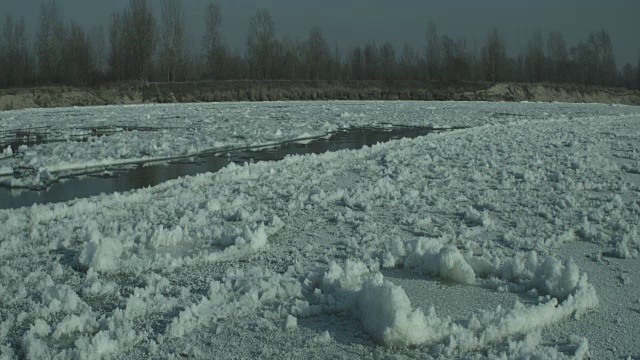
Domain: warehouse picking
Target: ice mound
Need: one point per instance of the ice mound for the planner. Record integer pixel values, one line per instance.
(99, 346)
(556, 278)
(323, 339)
(346, 114)
(6, 170)
(100, 253)
(7, 151)
(45, 175)
(553, 277)
(474, 217)
(166, 237)
(239, 293)
(75, 324)
(627, 246)
(433, 257)
(291, 323)
(345, 278)
(383, 307)
(386, 314)
(62, 298)
(256, 239)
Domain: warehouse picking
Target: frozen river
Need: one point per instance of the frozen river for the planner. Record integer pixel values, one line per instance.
(515, 237)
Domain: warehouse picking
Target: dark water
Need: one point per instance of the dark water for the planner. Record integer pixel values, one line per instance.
(144, 176)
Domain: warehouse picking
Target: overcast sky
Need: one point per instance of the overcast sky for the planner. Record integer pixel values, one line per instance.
(351, 22)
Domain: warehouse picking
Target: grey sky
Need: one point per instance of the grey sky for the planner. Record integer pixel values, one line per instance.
(351, 22)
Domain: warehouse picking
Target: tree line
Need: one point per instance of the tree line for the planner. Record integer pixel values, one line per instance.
(139, 46)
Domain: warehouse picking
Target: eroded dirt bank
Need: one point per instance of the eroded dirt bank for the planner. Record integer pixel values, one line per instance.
(215, 91)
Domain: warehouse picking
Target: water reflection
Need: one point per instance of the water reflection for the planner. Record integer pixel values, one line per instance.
(144, 176)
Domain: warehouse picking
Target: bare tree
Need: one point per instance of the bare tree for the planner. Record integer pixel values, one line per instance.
(15, 58)
(388, 61)
(336, 63)
(638, 74)
(535, 58)
(357, 64)
(260, 43)
(133, 41)
(3, 56)
(212, 46)
(317, 54)
(172, 42)
(518, 69)
(77, 57)
(456, 63)
(408, 63)
(463, 60)
(236, 66)
(475, 63)
(582, 63)
(98, 50)
(290, 59)
(558, 56)
(606, 61)
(141, 34)
(371, 62)
(447, 71)
(593, 60)
(118, 52)
(628, 76)
(49, 42)
(191, 65)
(434, 52)
(494, 56)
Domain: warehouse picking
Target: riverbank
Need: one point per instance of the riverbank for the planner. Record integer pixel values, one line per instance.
(250, 90)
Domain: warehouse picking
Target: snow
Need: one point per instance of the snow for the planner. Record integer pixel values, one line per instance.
(516, 238)
(61, 298)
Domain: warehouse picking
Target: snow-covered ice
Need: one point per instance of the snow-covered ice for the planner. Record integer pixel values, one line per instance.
(139, 133)
(514, 238)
